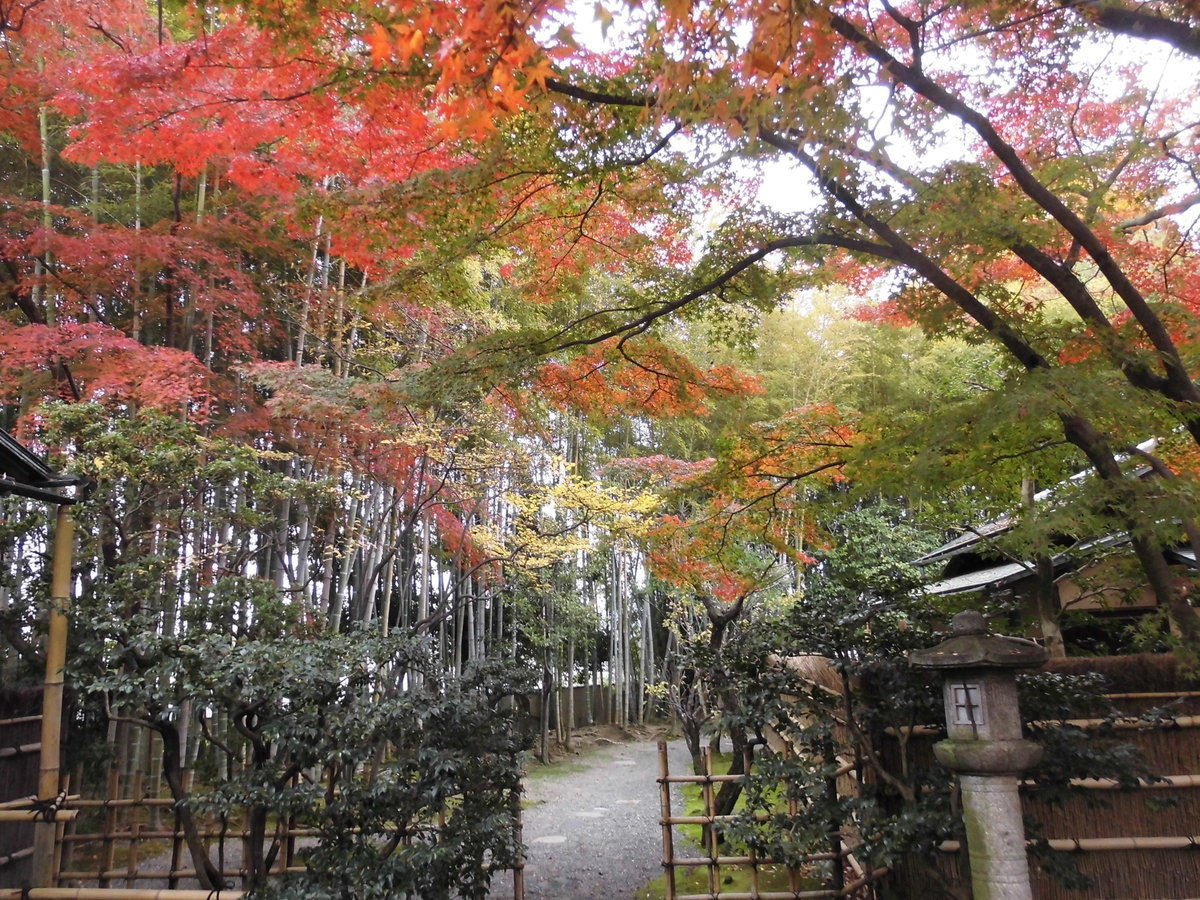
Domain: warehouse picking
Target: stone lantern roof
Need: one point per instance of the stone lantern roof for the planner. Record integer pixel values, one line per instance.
(973, 647)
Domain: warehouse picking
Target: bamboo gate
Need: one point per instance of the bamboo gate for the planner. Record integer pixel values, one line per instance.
(715, 859)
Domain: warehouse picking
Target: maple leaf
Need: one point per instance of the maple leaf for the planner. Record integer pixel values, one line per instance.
(379, 39)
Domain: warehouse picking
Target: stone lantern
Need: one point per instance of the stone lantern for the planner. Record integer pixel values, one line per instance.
(985, 748)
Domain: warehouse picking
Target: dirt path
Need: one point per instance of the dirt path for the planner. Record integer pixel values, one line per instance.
(593, 830)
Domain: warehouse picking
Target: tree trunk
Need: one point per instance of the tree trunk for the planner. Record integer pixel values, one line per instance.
(1083, 434)
(206, 873)
(727, 796)
(569, 717)
(1046, 597)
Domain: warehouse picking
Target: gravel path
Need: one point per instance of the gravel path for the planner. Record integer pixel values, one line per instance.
(593, 832)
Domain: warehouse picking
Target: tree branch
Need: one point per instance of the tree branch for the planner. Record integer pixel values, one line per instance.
(1154, 215)
(561, 339)
(1051, 203)
(601, 98)
(1140, 24)
(904, 252)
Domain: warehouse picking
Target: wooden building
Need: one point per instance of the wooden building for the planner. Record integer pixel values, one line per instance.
(1078, 597)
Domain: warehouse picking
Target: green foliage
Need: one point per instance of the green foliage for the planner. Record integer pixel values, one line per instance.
(359, 736)
(352, 735)
(856, 700)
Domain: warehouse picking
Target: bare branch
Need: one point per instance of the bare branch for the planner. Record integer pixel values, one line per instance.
(1154, 215)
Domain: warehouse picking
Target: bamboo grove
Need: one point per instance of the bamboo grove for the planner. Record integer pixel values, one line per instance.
(217, 339)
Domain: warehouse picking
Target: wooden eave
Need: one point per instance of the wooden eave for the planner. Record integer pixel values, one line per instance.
(25, 474)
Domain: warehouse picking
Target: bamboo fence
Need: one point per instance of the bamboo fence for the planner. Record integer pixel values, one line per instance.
(114, 844)
(713, 860)
(1131, 842)
(20, 749)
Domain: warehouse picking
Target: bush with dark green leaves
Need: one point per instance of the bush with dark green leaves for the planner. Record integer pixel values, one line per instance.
(410, 783)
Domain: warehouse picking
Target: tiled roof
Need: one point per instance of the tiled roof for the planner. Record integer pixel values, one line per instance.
(996, 576)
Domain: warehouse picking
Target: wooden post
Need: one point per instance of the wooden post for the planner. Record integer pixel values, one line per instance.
(664, 774)
(108, 849)
(837, 873)
(135, 844)
(519, 829)
(711, 844)
(44, 844)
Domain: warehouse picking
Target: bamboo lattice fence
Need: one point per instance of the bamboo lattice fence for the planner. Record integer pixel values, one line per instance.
(126, 835)
(1141, 842)
(716, 859)
(20, 744)
(123, 841)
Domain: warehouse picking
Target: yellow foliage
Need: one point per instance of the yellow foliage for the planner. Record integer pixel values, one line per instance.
(553, 522)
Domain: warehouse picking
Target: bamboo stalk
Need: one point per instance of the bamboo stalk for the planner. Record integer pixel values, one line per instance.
(693, 861)
(148, 875)
(208, 833)
(42, 874)
(132, 872)
(15, 855)
(793, 872)
(519, 864)
(1111, 784)
(108, 848)
(117, 802)
(20, 750)
(748, 767)
(864, 880)
(37, 815)
(664, 793)
(848, 852)
(1132, 724)
(65, 828)
(708, 820)
(1122, 724)
(1106, 845)
(761, 895)
(114, 894)
(20, 720)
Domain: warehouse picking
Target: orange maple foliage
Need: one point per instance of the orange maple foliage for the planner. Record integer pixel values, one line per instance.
(643, 378)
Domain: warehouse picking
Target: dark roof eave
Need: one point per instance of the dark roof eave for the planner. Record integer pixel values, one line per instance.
(37, 492)
(17, 461)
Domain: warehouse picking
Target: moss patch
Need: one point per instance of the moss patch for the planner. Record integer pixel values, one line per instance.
(732, 879)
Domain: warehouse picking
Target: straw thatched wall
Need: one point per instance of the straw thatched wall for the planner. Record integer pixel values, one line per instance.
(1162, 817)
(20, 733)
(1137, 683)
